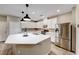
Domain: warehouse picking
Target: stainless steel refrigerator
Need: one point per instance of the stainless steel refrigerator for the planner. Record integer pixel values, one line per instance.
(64, 37)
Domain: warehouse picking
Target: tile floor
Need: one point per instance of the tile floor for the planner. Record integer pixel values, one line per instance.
(60, 51)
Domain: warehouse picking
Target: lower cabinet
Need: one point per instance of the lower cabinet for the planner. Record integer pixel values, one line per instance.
(42, 48)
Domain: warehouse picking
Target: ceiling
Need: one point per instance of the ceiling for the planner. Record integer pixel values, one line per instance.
(35, 11)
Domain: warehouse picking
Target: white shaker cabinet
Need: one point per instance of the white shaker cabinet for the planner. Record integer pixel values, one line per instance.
(28, 25)
(39, 24)
(31, 24)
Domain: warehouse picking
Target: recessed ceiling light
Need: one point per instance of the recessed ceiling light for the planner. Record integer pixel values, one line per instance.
(58, 10)
(33, 12)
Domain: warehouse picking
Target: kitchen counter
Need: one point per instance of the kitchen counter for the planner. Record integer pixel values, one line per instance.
(33, 44)
(30, 39)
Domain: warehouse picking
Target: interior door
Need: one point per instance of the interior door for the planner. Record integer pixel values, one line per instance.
(3, 29)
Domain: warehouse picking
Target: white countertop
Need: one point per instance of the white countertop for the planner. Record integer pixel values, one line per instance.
(30, 39)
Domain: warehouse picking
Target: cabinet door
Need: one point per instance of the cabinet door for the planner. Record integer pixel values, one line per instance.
(39, 24)
(3, 29)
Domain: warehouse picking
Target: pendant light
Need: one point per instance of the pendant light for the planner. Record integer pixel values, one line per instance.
(22, 19)
(26, 17)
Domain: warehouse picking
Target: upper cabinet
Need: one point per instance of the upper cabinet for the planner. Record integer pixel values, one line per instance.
(53, 22)
(39, 24)
(49, 22)
(31, 24)
(65, 18)
(28, 24)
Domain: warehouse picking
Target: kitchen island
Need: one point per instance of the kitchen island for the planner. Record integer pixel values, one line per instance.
(33, 44)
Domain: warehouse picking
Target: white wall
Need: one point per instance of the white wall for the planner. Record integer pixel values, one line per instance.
(28, 24)
(47, 22)
(52, 24)
(77, 29)
(14, 24)
(3, 28)
(73, 22)
(9, 25)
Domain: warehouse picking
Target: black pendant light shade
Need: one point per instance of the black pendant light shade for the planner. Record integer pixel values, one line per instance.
(22, 12)
(27, 16)
(22, 19)
(27, 5)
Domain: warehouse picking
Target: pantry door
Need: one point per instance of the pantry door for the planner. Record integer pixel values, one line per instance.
(3, 28)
